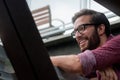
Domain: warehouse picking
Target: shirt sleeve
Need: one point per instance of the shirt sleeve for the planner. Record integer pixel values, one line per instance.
(88, 61)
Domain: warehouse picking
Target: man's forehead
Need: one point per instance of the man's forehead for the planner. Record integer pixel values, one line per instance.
(85, 18)
(82, 20)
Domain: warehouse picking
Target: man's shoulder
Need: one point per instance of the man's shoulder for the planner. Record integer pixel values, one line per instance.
(115, 39)
(117, 36)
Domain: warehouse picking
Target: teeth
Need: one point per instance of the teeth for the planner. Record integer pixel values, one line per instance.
(82, 41)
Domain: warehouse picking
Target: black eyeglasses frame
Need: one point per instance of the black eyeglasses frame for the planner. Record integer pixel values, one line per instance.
(83, 28)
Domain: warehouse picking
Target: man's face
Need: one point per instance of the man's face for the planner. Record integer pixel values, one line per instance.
(89, 38)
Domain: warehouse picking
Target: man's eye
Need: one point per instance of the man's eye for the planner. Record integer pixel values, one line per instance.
(80, 28)
(75, 30)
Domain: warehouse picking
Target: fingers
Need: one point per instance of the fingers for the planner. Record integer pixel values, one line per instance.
(108, 74)
(115, 76)
(103, 75)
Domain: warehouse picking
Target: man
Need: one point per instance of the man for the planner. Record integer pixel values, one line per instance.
(100, 50)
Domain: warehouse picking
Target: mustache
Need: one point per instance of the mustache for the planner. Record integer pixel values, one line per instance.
(83, 38)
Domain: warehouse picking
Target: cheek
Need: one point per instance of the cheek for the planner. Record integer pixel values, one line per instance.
(89, 32)
(87, 35)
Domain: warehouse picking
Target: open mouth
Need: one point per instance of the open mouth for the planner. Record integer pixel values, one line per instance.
(82, 42)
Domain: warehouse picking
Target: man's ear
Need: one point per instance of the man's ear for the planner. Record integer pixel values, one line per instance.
(101, 29)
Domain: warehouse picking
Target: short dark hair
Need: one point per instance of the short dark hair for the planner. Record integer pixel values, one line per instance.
(96, 18)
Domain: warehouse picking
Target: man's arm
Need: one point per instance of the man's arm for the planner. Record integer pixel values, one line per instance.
(68, 63)
(71, 64)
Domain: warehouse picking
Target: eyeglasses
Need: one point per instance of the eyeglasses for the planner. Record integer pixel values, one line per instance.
(80, 29)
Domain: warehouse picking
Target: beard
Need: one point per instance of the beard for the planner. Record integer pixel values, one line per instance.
(93, 41)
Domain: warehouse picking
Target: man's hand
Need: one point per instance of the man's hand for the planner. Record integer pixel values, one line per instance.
(107, 74)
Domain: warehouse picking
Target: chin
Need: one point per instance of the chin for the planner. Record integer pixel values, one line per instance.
(83, 48)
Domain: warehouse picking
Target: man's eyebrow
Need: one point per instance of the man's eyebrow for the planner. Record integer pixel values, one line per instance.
(80, 25)
(75, 29)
